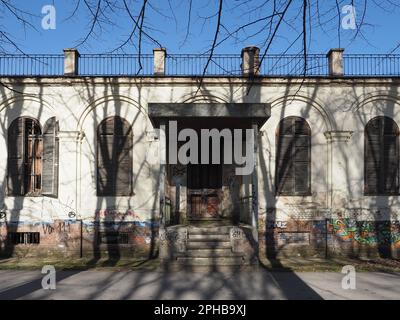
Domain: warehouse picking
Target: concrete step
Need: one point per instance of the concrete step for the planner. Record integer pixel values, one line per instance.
(208, 244)
(210, 261)
(204, 253)
(209, 230)
(208, 237)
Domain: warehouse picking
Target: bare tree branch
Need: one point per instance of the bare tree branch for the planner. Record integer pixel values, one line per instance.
(213, 44)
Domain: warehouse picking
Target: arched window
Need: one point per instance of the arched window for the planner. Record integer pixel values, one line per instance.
(114, 157)
(293, 157)
(24, 163)
(381, 157)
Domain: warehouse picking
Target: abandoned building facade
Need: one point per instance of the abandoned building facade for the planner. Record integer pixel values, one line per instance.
(83, 146)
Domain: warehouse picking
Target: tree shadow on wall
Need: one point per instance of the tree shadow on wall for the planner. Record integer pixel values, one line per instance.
(114, 234)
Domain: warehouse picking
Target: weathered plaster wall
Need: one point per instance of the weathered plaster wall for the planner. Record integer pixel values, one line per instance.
(89, 239)
(332, 107)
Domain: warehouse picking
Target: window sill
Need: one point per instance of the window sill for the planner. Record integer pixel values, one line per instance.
(115, 196)
(293, 195)
(381, 195)
(26, 196)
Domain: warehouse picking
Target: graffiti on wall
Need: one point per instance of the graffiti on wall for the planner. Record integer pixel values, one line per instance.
(115, 215)
(139, 231)
(62, 232)
(276, 224)
(367, 232)
(61, 226)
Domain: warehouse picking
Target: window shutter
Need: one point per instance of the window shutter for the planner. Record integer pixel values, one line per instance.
(381, 157)
(16, 163)
(123, 165)
(293, 161)
(302, 164)
(390, 164)
(50, 158)
(285, 164)
(114, 158)
(105, 168)
(372, 162)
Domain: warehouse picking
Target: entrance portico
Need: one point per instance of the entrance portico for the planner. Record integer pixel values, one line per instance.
(209, 190)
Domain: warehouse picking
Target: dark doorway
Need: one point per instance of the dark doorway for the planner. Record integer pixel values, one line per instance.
(204, 191)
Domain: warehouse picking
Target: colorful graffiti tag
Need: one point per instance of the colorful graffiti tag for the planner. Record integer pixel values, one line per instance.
(367, 232)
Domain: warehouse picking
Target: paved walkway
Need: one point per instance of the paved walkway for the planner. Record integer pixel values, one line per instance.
(258, 284)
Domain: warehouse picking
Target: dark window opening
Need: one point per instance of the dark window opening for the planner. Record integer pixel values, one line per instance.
(206, 176)
(25, 150)
(293, 157)
(381, 157)
(24, 237)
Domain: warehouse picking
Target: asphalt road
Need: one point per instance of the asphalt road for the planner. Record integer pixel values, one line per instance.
(258, 284)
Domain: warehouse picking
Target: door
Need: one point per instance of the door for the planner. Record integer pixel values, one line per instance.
(204, 191)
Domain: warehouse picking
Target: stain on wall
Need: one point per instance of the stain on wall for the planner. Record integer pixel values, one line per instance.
(66, 237)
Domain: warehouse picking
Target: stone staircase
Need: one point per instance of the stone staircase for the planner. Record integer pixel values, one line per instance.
(209, 246)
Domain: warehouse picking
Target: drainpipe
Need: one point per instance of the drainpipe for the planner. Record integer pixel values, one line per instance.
(81, 244)
(72, 215)
(163, 130)
(326, 238)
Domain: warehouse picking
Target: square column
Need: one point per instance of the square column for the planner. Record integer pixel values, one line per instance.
(71, 59)
(250, 61)
(254, 186)
(159, 55)
(335, 62)
(163, 172)
(338, 155)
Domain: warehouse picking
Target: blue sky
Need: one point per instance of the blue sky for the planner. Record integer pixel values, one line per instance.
(381, 32)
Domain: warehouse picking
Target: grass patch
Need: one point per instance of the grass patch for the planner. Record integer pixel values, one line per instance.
(79, 264)
(143, 264)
